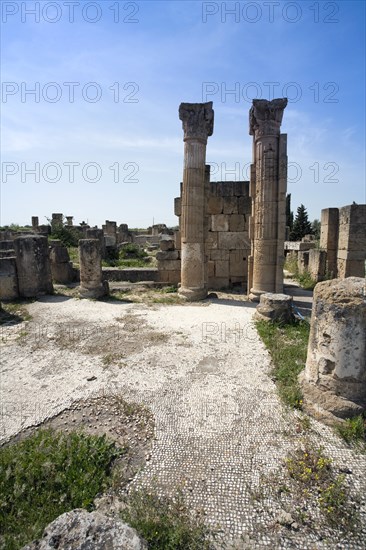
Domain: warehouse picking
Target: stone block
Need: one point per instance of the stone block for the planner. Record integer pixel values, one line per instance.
(238, 263)
(8, 279)
(33, 266)
(234, 240)
(178, 240)
(219, 222)
(230, 205)
(215, 205)
(62, 273)
(217, 283)
(244, 205)
(169, 265)
(217, 254)
(303, 261)
(167, 255)
(317, 264)
(167, 244)
(7, 245)
(210, 269)
(222, 268)
(59, 254)
(236, 222)
(177, 206)
(212, 239)
(241, 188)
(7, 253)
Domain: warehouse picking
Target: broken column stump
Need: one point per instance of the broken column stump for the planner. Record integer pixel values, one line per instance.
(33, 266)
(334, 379)
(275, 308)
(91, 275)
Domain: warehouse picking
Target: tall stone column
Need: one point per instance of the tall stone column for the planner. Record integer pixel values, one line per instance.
(91, 275)
(198, 120)
(268, 184)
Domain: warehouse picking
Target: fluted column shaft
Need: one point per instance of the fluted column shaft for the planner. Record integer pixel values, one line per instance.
(197, 121)
(268, 193)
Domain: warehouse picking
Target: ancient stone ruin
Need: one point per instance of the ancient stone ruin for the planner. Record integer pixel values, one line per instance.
(334, 379)
(91, 275)
(268, 184)
(197, 120)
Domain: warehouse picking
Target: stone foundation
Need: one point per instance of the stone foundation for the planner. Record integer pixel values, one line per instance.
(275, 308)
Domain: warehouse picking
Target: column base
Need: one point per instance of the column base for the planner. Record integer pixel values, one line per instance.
(192, 294)
(255, 295)
(96, 292)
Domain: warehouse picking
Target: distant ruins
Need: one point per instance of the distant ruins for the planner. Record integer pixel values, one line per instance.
(231, 233)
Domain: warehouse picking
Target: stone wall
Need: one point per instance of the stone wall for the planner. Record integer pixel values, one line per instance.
(343, 236)
(227, 245)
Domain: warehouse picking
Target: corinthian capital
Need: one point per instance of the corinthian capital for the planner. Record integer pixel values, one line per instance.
(265, 117)
(197, 119)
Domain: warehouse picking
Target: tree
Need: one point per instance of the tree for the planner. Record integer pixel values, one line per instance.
(289, 213)
(316, 229)
(301, 226)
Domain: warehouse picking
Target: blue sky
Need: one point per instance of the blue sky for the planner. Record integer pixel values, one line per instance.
(131, 69)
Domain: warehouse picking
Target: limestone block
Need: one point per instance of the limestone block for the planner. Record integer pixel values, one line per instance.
(62, 273)
(7, 245)
(227, 188)
(244, 205)
(219, 222)
(8, 279)
(222, 268)
(210, 269)
(7, 253)
(170, 265)
(177, 206)
(303, 261)
(59, 253)
(79, 529)
(33, 266)
(178, 240)
(215, 205)
(237, 222)
(275, 308)
(238, 263)
(91, 280)
(233, 240)
(218, 283)
(167, 244)
(317, 264)
(230, 205)
(334, 379)
(167, 255)
(241, 188)
(217, 254)
(212, 239)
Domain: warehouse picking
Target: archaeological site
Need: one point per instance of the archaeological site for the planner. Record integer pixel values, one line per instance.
(230, 388)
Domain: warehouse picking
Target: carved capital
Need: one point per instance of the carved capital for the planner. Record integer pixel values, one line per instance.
(197, 119)
(265, 117)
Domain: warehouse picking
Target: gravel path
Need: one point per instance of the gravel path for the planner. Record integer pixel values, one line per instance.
(221, 432)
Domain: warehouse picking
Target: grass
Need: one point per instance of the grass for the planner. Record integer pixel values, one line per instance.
(353, 431)
(46, 475)
(316, 479)
(133, 262)
(304, 279)
(287, 345)
(15, 312)
(165, 523)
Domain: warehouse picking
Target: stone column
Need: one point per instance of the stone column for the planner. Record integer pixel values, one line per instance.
(69, 220)
(334, 379)
(35, 222)
(33, 266)
(91, 275)
(198, 120)
(268, 183)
